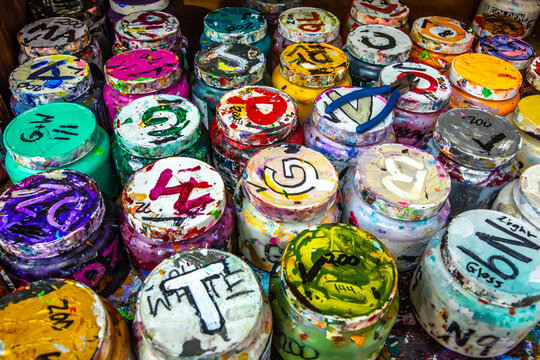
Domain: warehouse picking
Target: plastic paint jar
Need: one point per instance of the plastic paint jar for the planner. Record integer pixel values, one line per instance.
(57, 224)
(505, 108)
(250, 119)
(220, 68)
(156, 127)
(399, 193)
(475, 291)
(531, 85)
(497, 24)
(515, 51)
(527, 120)
(335, 295)
(173, 205)
(525, 11)
(222, 297)
(120, 8)
(285, 189)
(478, 149)
(271, 9)
(59, 136)
(307, 69)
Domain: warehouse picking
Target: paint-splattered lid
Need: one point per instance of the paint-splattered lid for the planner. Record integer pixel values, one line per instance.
(308, 24)
(53, 78)
(275, 7)
(476, 138)
(51, 136)
(392, 12)
(202, 303)
(142, 71)
(485, 76)
(497, 24)
(379, 44)
(235, 24)
(125, 7)
(442, 34)
(432, 92)
(533, 73)
(256, 115)
(503, 247)
(527, 194)
(147, 27)
(517, 52)
(338, 277)
(88, 11)
(290, 182)
(174, 198)
(157, 126)
(527, 115)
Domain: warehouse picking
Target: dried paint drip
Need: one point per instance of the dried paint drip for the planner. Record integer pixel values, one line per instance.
(497, 24)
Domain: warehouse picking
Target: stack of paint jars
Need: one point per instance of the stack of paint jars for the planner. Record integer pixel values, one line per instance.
(271, 9)
(531, 85)
(121, 8)
(58, 225)
(438, 40)
(527, 120)
(250, 119)
(172, 205)
(515, 51)
(416, 111)
(497, 24)
(372, 47)
(525, 11)
(485, 82)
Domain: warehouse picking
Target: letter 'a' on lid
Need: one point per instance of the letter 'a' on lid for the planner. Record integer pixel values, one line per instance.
(235, 24)
(441, 34)
(308, 24)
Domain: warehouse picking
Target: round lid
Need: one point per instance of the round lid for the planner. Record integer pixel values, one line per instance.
(442, 34)
(235, 24)
(393, 12)
(68, 316)
(379, 44)
(53, 78)
(274, 7)
(51, 135)
(142, 71)
(497, 244)
(516, 51)
(80, 9)
(338, 277)
(230, 66)
(174, 198)
(57, 35)
(124, 7)
(157, 126)
(528, 189)
(290, 182)
(341, 124)
(430, 95)
(257, 115)
(476, 138)
(533, 73)
(497, 24)
(307, 24)
(527, 115)
(313, 64)
(485, 76)
(147, 26)
(201, 304)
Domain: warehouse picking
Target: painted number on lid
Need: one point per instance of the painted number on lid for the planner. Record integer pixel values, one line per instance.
(61, 132)
(396, 175)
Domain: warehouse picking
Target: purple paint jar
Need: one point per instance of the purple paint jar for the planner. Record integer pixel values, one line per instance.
(121, 8)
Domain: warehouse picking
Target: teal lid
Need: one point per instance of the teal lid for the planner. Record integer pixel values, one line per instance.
(51, 136)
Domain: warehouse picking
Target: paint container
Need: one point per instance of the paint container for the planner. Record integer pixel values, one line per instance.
(531, 83)
(125, 297)
(505, 108)
(304, 24)
(156, 127)
(59, 136)
(137, 73)
(6, 286)
(515, 51)
(478, 149)
(438, 40)
(399, 193)
(303, 74)
(272, 9)
(220, 68)
(497, 24)
(173, 205)
(285, 189)
(527, 120)
(250, 119)
(475, 291)
(70, 319)
(58, 225)
(120, 8)
(335, 136)
(525, 11)
(335, 295)
(416, 111)
(370, 48)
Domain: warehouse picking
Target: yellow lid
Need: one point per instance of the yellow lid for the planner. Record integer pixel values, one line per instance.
(527, 115)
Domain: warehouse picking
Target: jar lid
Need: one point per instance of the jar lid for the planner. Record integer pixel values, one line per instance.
(235, 24)
(174, 199)
(86, 10)
(290, 183)
(430, 95)
(67, 315)
(256, 115)
(142, 71)
(527, 115)
(233, 306)
(340, 125)
(338, 277)
(229, 66)
(497, 24)
(515, 51)
(503, 247)
(313, 65)
(125, 7)
(387, 12)
(53, 78)
(476, 138)
(274, 7)
(149, 28)
(157, 126)
(308, 24)
(527, 194)
(402, 182)
(57, 35)
(379, 44)
(51, 136)
(49, 213)
(533, 73)
(485, 76)
(441, 34)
